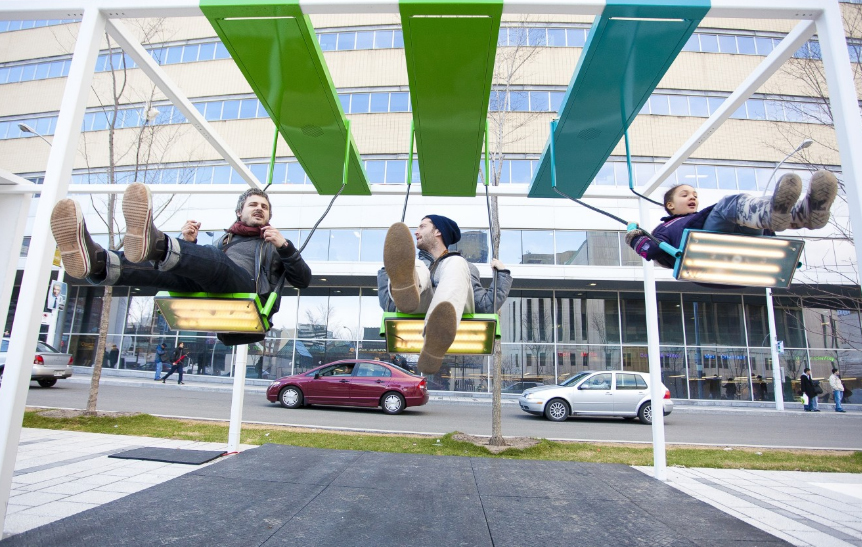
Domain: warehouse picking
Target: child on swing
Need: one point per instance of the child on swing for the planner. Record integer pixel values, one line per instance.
(739, 213)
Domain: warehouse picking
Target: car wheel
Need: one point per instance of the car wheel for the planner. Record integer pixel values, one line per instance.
(645, 413)
(47, 382)
(392, 403)
(290, 397)
(557, 410)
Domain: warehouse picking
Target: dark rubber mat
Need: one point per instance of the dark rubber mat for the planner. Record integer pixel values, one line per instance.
(281, 495)
(169, 455)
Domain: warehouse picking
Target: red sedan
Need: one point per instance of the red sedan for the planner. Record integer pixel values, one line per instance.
(352, 382)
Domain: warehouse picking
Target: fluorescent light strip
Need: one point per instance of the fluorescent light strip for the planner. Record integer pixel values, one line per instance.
(725, 238)
(731, 279)
(733, 266)
(734, 251)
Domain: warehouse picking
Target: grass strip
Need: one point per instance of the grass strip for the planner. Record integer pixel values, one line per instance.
(145, 425)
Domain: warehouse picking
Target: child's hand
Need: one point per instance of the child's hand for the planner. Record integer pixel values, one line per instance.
(634, 235)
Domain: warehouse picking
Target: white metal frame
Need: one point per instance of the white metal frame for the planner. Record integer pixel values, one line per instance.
(100, 15)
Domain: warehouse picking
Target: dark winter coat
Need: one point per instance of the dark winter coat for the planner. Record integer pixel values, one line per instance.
(669, 231)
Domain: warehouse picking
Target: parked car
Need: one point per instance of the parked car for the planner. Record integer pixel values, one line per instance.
(519, 387)
(352, 383)
(595, 393)
(49, 365)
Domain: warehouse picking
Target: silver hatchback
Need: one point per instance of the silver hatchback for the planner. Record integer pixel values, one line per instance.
(595, 393)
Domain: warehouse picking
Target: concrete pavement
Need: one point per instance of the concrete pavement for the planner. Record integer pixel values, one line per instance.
(60, 474)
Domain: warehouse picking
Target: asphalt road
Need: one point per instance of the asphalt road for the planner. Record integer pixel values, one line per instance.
(686, 425)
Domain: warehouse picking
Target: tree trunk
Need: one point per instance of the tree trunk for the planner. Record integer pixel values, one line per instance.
(100, 352)
(496, 376)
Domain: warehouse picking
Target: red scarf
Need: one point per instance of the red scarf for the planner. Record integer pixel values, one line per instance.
(241, 229)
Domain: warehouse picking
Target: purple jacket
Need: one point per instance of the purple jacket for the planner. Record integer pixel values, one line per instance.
(670, 231)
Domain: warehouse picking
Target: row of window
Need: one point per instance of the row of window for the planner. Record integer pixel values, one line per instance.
(517, 247)
(597, 318)
(387, 39)
(8, 26)
(659, 104)
(394, 171)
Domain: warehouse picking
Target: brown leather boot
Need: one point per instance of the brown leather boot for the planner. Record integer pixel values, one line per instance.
(81, 256)
(143, 240)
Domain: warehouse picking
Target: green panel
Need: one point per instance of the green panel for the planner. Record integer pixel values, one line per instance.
(450, 49)
(275, 47)
(622, 63)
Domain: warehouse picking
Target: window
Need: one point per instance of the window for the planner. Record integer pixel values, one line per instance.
(598, 382)
(372, 370)
(627, 380)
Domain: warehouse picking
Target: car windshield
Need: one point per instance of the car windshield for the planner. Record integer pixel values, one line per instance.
(574, 379)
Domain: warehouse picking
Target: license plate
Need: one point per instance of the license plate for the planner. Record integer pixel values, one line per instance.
(59, 373)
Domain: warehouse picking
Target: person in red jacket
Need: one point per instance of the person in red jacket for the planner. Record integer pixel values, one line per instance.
(178, 362)
(739, 213)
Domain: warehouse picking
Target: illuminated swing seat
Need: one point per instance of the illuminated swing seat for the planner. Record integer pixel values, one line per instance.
(216, 312)
(736, 259)
(476, 333)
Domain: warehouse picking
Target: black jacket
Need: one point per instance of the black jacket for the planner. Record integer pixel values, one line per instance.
(270, 263)
(807, 385)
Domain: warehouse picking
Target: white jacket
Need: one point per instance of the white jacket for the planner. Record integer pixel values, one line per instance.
(835, 383)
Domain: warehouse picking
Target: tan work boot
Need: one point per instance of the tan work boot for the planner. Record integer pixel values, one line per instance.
(143, 240)
(399, 259)
(81, 256)
(441, 325)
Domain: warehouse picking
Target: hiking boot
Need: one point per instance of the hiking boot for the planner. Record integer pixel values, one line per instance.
(813, 211)
(143, 240)
(770, 213)
(441, 325)
(399, 259)
(81, 256)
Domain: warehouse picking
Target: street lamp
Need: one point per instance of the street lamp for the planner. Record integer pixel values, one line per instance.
(27, 129)
(805, 144)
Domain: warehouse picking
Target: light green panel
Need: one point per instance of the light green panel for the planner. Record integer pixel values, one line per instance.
(450, 49)
(274, 45)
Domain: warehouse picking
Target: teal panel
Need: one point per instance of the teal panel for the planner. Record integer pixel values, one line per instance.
(450, 49)
(629, 49)
(275, 47)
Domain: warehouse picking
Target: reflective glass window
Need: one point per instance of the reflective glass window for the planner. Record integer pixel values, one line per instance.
(346, 40)
(709, 43)
(520, 171)
(745, 45)
(658, 104)
(379, 102)
(692, 44)
(344, 245)
(248, 109)
(517, 36)
(537, 37)
(364, 40)
(295, 173)
(212, 110)
(207, 52)
(397, 39)
(746, 178)
(763, 46)
(399, 102)
(376, 171)
(359, 103)
(603, 248)
(713, 319)
(556, 37)
(714, 103)
(633, 315)
(190, 53)
(372, 245)
(706, 176)
(510, 247)
(727, 44)
(230, 110)
(383, 39)
(576, 37)
(318, 246)
(587, 317)
(396, 171)
(726, 178)
(605, 176)
(174, 56)
(539, 101)
(328, 41)
(519, 101)
(678, 105)
(556, 100)
(538, 247)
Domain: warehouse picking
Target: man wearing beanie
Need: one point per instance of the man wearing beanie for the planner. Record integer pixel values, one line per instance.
(439, 283)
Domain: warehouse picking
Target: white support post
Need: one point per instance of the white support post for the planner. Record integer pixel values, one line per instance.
(14, 208)
(845, 112)
(656, 391)
(148, 65)
(777, 379)
(233, 436)
(785, 50)
(34, 286)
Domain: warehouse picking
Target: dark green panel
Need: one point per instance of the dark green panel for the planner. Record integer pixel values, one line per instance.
(275, 47)
(621, 65)
(450, 67)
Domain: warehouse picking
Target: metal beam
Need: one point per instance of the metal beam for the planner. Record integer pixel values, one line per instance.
(785, 50)
(34, 286)
(148, 65)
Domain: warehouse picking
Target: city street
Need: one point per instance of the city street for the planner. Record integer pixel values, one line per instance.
(686, 425)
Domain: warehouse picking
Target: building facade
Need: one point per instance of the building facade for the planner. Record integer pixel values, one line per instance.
(577, 302)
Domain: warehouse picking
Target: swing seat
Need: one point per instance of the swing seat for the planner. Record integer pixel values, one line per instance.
(735, 259)
(216, 312)
(476, 333)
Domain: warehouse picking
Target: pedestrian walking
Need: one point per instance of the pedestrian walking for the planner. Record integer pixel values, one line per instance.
(178, 358)
(114, 355)
(161, 349)
(837, 389)
(807, 386)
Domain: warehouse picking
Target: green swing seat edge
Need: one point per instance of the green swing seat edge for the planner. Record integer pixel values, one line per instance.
(622, 63)
(262, 309)
(450, 48)
(275, 47)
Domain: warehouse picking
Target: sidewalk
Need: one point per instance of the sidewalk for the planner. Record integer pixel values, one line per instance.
(61, 473)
